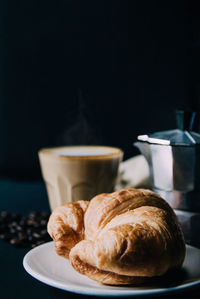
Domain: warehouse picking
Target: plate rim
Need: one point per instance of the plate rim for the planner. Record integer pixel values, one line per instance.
(101, 292)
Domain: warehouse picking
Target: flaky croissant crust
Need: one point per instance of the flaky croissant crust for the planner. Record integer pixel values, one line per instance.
(125, 237)
(66, 226)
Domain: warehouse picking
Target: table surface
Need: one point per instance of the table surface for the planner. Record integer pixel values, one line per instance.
(23, 197)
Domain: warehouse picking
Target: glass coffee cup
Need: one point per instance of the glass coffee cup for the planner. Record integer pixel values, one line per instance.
(73, 173)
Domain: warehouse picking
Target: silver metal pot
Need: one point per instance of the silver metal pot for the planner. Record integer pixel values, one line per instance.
(174, 162)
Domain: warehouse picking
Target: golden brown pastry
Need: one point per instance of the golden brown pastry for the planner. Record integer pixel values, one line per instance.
(130, 236)
(106, 206)
(66, 226)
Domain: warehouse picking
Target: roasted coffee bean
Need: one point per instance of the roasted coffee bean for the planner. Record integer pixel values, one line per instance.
(18, 243)
(13, 224)
(5, 236)
(43, 222)
(15, 242)
(13, 230)
(22, 236)
(19, 228)
(36, 236)
(24, 231)
(30, 222)
(34, 215)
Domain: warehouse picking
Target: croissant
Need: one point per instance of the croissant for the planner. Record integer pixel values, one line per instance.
(125, 237)
(66, 226)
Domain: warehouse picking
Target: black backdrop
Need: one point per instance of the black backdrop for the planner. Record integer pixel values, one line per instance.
(92, 72)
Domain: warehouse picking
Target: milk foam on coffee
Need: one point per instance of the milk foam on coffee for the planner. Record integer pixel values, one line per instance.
(73, 173)
(73, 151)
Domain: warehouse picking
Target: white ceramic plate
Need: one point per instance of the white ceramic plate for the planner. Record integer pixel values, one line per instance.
(45, 265)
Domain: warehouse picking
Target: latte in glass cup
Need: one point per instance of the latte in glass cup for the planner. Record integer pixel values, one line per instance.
(73, 173)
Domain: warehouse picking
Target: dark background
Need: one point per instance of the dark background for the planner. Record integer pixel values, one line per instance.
(92, 72)
(85, 72)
